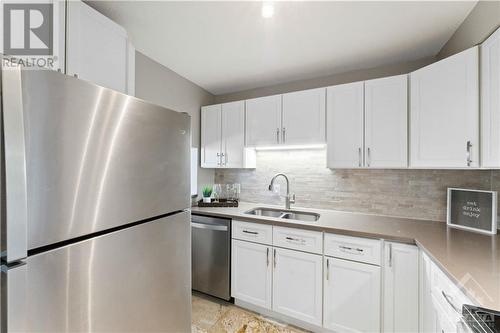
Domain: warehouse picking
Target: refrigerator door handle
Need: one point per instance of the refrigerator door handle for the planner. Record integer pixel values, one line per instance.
(15, 278)
(15, 166)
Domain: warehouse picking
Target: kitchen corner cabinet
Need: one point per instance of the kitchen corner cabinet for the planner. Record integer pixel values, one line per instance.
(97, 49)
(490, 101)
(345, 125)
(297, 285)
(222, 137)
(303, 119)
(401, 292)
(251, 273)
(444, 113)
(351, 296)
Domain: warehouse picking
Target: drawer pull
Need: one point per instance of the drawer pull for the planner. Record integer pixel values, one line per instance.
(295, 239)
(350, 248)
(250, 232)
(449, 299)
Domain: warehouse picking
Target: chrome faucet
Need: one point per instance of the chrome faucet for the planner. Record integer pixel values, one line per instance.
(290, 198)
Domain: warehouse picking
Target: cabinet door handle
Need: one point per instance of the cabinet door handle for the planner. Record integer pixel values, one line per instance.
(267, 257)
(368, 156)
(468, 149)
(359, 156)
(284, 134)
(274, 258)
(390, 255)
(327, 269)
(449, 299)
(277, 135)
(223, 159)
(218, 159)
(250, 232)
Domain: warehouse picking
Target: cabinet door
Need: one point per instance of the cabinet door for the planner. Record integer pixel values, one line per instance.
(304, 117)
(490, 101)
(400, 288)
(211, 136)
(251, 273)
(263, 121)
(351, 296)
(386, 122)
(427, 313)
(297, 285)
(345, 125)
(444, 113)
(97, 48)
(233, 138)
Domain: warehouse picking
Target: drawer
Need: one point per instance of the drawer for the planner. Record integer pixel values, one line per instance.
(298, 239)
(353, 248)
(253, 232)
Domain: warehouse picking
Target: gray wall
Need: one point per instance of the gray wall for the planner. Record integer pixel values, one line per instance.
(158, 84)
(352, 76)
(483, 20)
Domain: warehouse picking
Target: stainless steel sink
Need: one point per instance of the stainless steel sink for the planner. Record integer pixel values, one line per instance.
(284, 214)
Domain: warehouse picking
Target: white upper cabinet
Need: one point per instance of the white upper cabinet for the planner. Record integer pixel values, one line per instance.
(98, 49)
(222, 137)
(401, 296)
(211, 136)
(351, 296)
(251, 273)
(444, 113)
(297, 285)
(263, 121)
(345, 125)
(490, 101)
(233, 138)
(386, 122)
(304, 117)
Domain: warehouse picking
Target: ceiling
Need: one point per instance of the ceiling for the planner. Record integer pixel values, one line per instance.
(228, 46)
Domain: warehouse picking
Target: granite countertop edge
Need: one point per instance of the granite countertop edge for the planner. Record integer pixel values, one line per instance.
(454, 251)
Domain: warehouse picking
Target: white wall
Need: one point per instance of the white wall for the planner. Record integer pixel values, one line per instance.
(160, 85)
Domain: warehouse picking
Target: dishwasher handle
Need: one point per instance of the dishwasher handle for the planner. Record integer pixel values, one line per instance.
(209, 226)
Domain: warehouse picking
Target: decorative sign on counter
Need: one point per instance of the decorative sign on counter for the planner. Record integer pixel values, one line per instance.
(472, 210)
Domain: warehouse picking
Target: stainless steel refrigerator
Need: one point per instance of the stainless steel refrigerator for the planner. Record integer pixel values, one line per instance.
(94, 212)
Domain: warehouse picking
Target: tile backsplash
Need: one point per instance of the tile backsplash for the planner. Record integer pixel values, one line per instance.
(406, 193)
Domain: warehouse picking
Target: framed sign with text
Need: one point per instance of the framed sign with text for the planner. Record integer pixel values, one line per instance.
(472, 210)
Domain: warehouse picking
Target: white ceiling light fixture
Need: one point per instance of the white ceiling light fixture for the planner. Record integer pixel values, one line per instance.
(267, 9)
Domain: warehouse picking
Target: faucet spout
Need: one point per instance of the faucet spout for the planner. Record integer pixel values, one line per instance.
(290, 198)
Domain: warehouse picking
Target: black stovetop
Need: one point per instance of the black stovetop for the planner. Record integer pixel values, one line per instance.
(481, 320)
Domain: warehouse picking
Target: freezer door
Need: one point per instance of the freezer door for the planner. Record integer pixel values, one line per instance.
(133, 280)
(95, 158)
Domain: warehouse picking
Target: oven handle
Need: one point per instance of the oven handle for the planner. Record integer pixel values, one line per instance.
(209, 226)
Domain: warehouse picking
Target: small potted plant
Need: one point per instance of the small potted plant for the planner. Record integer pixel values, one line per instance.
(207, 193)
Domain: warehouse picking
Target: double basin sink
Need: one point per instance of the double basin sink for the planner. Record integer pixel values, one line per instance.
(284, 214)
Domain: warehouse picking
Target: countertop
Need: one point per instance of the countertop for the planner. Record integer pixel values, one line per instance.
(471, 260)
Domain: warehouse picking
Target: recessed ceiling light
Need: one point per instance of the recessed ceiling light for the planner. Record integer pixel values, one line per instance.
(267, 9)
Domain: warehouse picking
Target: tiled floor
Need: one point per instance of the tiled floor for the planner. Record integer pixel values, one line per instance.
(212, 316)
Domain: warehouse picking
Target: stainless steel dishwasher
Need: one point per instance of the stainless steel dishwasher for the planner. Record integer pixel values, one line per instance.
(211, 255)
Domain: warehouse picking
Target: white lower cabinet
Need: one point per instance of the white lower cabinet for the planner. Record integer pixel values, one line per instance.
(297, 285)
(400, 288)
(251, 273)
(351, 296)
